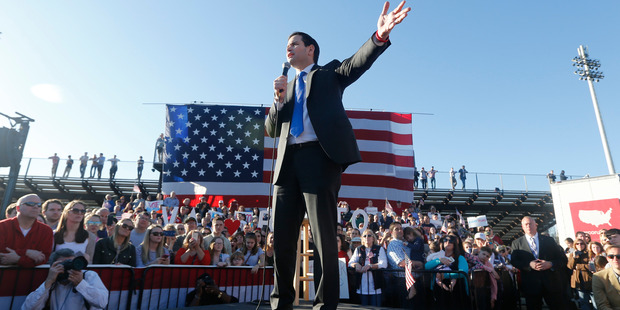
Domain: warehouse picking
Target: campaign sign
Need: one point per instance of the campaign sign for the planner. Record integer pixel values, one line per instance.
(592, 216)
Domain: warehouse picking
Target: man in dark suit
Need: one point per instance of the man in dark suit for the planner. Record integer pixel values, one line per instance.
(542, 263)
(316, 145)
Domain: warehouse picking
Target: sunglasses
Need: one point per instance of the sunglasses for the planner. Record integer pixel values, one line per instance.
(32, 204)
(366, 236)
(449, 240)
(160, 234)
(611, 256)
(128, 227)
(78, 211)
(93, 223)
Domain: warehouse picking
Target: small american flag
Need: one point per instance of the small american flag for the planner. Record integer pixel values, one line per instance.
(410, 281)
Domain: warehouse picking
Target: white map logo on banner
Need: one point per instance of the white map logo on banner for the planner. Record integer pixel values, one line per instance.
(595, 217)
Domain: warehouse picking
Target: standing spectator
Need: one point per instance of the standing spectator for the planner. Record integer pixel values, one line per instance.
(52, 210)
(452, 178)
(83, 164)
(100, 163)
(117, 249)
(108, 203)
(344, 250)
(254, 256)
(219, 257)
(416, 177)
(423, 177)
(217, 227)
(68, 167)
(541, 262)
(454, 260)
(463, 175)
(563, 176)
(71, 233)
(172, 201)
(192, 252)
(55, 159)
(79, 290)
(431, 176)
(605, 283)
(159, 146)
(488, 231)
(367, 260)
(140, 168)
(114, 161)
(152, 250)
(396, 259)
(581, 279)
(93, 166)
(29, 249)
(269, 249)
(551, 177)
(142, 222)
(203, 207)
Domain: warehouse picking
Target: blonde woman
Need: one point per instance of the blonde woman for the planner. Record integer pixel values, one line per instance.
(367, 259)
(152, 250)
(117, 249)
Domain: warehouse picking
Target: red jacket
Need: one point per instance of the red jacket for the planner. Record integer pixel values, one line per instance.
(40, 238)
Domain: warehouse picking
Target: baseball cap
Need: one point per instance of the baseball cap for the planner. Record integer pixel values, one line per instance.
(480, 236)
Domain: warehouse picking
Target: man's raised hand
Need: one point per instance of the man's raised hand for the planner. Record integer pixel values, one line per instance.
(387, 21)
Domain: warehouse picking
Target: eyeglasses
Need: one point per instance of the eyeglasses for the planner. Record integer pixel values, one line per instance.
(128, 227)
(78, 211)
(580, 243)
(612, 256)
(32, 204)
(157, 233)
(366, 236)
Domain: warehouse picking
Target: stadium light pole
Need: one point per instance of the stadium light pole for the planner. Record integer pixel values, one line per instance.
(587, 69)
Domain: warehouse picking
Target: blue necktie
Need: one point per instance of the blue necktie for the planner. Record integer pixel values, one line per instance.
(297, 123)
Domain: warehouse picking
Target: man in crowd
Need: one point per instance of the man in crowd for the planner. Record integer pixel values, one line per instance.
(142, 222)
(488, 231)
(190, 224)
(541, 262)
(431, 176)
(24, 241)
(68, 289)
(159, 145)
(100, 163)
(606, 283)
(83, 164)
(217, 227)
(52, 210)
(93, 166)
(11, 211)
(68, 167)
(114, 167)
(463, 175)
(613, 236)
(172, 201)
(55, 159)
(140, 167)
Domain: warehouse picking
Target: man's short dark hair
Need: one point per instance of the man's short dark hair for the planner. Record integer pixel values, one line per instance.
(308, 40)
(611, 232)
(46, 204)
(61, 253)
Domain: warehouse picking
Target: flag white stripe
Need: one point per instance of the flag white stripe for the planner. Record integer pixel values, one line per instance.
(398, 128)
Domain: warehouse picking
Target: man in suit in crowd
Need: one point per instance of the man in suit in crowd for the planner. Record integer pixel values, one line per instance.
(542, 263)
(316, 144)
(606, 283)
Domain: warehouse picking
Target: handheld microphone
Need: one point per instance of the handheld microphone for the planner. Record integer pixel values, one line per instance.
(285, 66)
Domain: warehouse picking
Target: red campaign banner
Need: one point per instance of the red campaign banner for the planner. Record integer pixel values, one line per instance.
(592, 216)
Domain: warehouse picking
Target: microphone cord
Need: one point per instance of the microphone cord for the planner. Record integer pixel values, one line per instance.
(269, 202)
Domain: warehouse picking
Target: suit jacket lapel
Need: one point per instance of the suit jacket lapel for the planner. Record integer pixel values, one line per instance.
(309, 80)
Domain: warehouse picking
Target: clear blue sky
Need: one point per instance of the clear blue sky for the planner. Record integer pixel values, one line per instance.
(496, 75)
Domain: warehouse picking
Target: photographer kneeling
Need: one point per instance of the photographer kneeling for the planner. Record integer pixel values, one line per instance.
(68, 286)
(208, 293)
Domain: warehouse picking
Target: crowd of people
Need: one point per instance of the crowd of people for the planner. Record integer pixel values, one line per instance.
(424, 179)
(122, 231)
(96, 167)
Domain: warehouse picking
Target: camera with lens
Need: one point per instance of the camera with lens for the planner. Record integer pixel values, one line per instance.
(79, 263)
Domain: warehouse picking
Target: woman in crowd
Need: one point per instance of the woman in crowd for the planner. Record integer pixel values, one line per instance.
(170, 236)
(344, 250)
(219, 257)
(259, 239)
(93, 224)
(367, 260)
(415, 243)
(581, 280)
(253, 255)
(70, 233)
(452, 259)
(595, 249)
(152, 250)
(117, 249)
(269, 250)
(192, 252)
(236, 241)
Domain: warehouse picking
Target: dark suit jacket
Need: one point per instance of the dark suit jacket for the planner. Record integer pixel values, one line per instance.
(324, 88)
(533, 282)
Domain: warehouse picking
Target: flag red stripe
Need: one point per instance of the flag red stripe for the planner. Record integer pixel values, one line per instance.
(381, 116)
(381, 135)
(371, 157)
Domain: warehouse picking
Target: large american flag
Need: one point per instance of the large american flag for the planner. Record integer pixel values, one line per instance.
(223, 152)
